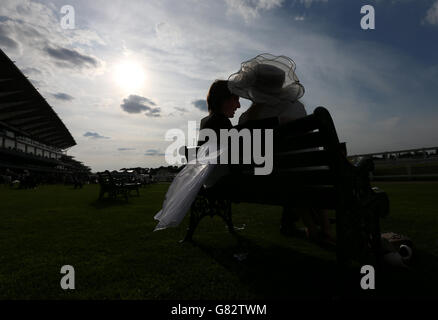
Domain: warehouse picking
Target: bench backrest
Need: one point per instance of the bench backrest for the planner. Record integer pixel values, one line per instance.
(307, 156)
(106, 179)
(308, 160)
(310, 146)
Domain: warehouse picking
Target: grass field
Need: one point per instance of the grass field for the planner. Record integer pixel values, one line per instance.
(117, 256)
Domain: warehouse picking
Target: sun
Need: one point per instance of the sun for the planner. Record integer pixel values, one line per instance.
(129, 75)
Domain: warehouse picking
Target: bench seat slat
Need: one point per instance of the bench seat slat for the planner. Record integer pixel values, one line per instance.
(302, 159)
(296, 176)
(306, 176)
(299, 142)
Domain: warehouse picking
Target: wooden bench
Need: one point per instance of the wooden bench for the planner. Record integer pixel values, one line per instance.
(114, 186)
(310, 171)
(130, 182)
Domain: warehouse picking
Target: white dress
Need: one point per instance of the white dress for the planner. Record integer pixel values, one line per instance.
(186, 185)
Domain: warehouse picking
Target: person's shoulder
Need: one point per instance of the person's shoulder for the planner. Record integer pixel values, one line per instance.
(204, 121)
(300, 107)
(292, 110)
(254, 112)
(216, 121)
(295, 108)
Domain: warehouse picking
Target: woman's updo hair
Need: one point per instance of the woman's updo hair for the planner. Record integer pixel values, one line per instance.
(217, 95)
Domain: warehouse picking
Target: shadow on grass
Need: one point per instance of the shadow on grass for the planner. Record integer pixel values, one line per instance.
(277, 272)
(109, 202)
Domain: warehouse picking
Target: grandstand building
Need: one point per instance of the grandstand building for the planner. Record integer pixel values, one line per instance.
(32, 136)
(404, 165)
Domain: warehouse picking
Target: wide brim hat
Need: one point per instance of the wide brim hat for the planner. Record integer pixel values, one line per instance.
(267, 79)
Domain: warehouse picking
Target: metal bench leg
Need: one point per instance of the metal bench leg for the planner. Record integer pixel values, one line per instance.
(224, 211)
(194, 221)
(203, 207)
(198, 211)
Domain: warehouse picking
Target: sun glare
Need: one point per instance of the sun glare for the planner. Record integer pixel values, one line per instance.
(129, 75)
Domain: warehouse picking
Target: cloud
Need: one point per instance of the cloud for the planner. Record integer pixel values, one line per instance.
(183, 110)
(71, 58)
(31, 70)
(125, 149)
(137, 104)
(35, 28)
(432, 15)
(308, 3)
(5, 40)
(62, 96)
(200, 104)
(169, 34)
(389, 123)
(249, 9)
(94, 135)
(8, 42)
(300, 18)
(153, 153)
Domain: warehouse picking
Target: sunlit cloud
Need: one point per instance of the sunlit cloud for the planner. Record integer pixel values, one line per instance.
(138, 104)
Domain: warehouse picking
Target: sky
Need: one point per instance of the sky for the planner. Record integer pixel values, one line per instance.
(129, 71)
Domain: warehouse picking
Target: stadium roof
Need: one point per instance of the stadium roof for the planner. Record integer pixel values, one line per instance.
(24, 110)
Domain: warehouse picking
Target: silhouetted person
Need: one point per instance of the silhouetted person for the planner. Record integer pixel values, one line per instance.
(271, 84)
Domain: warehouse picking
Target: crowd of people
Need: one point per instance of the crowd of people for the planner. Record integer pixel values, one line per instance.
(26, 179)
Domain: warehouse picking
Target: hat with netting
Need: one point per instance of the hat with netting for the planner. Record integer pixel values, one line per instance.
(267, 79)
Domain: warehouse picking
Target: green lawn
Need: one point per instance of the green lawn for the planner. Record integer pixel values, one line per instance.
(117, 256)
